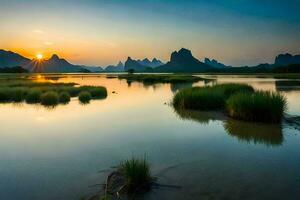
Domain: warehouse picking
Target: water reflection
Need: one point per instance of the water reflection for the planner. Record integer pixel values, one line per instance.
(256, 133)
(178, 86)
(267, 134)
(203, 117)
(287, 85)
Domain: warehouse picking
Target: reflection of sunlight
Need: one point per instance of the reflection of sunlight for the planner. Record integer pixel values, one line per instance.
(41, 119)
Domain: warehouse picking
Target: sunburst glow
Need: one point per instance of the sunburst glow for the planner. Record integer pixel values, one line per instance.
(39, 56)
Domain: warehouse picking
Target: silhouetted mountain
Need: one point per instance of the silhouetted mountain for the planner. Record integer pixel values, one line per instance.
(92, 69)
(287, 59)
(54, 64)
(135, 65)
(214, 63)
(11, 59)
(183, 61)
(115, 68)
(154, 63)
(294, 68)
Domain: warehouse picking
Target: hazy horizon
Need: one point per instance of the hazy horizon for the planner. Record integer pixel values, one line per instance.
(100, 33)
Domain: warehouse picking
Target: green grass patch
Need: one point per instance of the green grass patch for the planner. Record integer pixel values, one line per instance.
(240, 101)
(259, 106)
(32, 91)
(84, 97)
(33, 96)
(160, 78)
(136, 173)
(49, 98)
(64, 97)
(207, 98)
(96, 92)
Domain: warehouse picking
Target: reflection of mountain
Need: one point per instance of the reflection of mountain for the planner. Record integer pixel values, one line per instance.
(268, 134)
(287, 85)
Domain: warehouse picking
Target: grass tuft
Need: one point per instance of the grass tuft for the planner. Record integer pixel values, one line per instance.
(49, 98)
(207, 98)
(33, 96)
(259, 106)
(96, 92)
(136, 173)
(84, 97)
(64, 97)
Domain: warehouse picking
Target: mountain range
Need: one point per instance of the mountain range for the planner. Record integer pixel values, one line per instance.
(180, 61)
(142, 65)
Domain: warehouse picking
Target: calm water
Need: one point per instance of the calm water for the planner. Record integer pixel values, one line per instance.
(58, 153)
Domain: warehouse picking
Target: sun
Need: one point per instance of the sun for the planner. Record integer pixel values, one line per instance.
(39, 56)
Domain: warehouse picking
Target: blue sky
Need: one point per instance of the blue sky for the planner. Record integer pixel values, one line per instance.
(236, 32)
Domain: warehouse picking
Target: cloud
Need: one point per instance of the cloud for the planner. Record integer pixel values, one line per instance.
(38, 31)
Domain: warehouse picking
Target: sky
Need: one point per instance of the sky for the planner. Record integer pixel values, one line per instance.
(103, 32)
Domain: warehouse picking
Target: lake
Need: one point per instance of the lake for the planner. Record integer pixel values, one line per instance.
(63, 153)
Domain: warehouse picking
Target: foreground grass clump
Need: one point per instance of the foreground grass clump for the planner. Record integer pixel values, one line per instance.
(259, 106)
(84, 97)
(136, 173)
(160, 78)
(33, 96)
(64, 97)
(96, 92)
(49, 98)
(46, 93)
(207, 98)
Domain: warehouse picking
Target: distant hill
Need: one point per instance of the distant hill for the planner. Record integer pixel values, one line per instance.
(154, 63)
(54, 64)
(287, 59)
(135, 65)
(214, 63)
(11, 59)
(183, 61)
(92, 69)
(293, 68)
(115, 68)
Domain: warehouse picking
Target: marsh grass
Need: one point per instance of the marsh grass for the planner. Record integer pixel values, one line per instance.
(49, 98)
(33, 96)
(19, 94)
(240, 101)
(259, 106)
(208, 98)
(64, 97)
(32, 91)
(136, 173)
(160, 78)
(85, 97)
(96, 92)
